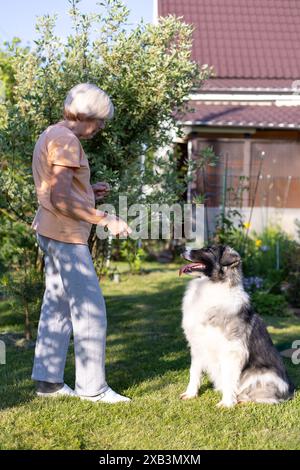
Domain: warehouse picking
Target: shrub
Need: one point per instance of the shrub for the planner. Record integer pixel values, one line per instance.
(270, 304)
(25, 287)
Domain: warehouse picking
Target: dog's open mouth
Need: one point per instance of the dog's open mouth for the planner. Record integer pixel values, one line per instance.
(189, 268)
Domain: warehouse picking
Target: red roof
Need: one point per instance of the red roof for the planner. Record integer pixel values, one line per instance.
(245, 39)
(233, 115)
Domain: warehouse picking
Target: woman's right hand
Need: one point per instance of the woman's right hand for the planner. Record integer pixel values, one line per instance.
(116, 225)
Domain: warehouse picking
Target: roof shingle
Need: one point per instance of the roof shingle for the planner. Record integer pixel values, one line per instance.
(258, 39)
(236, 115)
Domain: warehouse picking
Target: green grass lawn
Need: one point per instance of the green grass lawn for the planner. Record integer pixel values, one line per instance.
(148, 360)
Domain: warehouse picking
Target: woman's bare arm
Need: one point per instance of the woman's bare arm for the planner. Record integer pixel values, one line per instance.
(60, 197)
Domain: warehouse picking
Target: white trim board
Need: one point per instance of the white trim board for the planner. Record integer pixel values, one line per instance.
(291, 100)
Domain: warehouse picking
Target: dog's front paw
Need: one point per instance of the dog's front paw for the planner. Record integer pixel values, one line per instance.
(226, 403)
(187, 396)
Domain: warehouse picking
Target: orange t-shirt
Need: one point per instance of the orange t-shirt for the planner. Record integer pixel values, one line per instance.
(58, 145)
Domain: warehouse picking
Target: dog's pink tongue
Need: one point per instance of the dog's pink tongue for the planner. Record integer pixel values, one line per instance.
(187, 267)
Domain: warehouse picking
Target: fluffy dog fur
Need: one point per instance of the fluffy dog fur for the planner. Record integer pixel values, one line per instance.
(227, 339)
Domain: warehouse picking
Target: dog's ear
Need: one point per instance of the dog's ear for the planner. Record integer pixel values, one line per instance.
(230, 257)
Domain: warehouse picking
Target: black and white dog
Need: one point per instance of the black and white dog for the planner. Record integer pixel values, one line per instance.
(227, 339)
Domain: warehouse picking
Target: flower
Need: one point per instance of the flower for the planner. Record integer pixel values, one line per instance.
(253, 282)
(258, 243)
(247, 224)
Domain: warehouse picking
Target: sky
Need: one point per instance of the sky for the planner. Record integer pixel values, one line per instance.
(17, 17)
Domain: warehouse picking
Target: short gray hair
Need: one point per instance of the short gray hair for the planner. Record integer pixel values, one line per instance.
(87, 101)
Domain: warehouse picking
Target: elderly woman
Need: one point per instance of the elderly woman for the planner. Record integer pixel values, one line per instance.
(73, 299)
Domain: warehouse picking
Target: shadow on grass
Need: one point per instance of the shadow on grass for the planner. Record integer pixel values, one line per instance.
(16, 387)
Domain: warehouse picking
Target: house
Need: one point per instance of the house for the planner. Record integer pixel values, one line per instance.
(249, 112)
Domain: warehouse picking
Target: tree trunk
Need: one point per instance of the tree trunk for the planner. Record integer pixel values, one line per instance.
(39, 260)
(27, 332)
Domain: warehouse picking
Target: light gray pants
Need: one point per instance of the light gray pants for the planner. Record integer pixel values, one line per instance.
(72, 301)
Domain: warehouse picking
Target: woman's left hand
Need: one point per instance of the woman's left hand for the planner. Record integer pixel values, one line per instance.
(100, 189)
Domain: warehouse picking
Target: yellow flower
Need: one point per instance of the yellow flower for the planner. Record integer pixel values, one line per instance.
(258, 243)
(247, 225)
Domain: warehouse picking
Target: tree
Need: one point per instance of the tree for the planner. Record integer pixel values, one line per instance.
(148, 72)
(6, 68)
